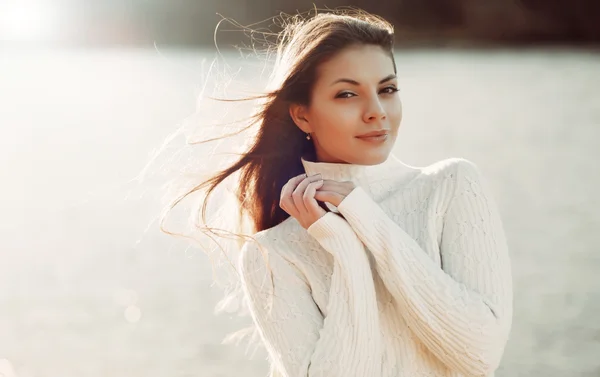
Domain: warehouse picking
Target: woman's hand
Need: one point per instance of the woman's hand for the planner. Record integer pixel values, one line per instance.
(333, 191)
(298, 199)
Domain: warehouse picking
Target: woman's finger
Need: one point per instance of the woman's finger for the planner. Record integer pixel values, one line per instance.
(309, 197)
(298, 194)
(285, 201)
(331, 185)
(327, 196)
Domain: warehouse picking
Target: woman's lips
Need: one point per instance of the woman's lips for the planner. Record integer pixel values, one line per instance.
(374, 139)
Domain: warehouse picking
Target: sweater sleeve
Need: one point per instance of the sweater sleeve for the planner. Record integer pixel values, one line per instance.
(463, 311)
(299, 339)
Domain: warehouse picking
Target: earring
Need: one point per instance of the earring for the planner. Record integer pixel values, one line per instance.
(308, 136)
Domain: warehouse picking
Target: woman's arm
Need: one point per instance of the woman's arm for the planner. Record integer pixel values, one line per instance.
(463, 312)
(299, 339)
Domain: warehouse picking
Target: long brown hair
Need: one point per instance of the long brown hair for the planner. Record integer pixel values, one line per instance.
(275, 154)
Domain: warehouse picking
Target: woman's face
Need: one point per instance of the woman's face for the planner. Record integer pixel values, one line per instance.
(355, 94)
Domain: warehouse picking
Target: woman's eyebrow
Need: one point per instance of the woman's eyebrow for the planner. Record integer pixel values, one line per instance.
(354, 82)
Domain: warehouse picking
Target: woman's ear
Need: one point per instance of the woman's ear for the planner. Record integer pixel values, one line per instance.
(298, 115)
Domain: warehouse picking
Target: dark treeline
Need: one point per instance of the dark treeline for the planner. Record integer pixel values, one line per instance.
(193, 22)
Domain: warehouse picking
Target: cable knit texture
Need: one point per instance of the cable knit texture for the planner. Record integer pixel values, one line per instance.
(409, 276)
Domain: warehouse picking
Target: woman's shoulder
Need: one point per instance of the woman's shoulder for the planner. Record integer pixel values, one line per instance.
(288, 229)
(452, 174)
(395, 167)
(450, 167)
(434, 173)
(446, 175)
(456, 169)
(444, 179)
(279, 240)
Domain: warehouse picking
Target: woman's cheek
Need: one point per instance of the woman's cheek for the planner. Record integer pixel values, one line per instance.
(395, 116)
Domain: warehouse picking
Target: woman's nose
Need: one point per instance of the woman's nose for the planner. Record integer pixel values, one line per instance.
(375, 111)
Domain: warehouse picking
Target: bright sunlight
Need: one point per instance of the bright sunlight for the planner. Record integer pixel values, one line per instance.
(28, 21)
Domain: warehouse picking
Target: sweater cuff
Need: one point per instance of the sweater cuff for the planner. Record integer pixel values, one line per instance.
(336, 236)
(329, 225)
(358, 201)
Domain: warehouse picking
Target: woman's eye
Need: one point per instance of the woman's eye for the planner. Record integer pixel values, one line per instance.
(387, 90)
(344, 95)
(390, 90)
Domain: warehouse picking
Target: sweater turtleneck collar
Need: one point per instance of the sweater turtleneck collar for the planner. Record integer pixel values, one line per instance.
(337, 171)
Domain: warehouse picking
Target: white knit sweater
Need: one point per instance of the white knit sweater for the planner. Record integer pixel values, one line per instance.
(413, 279)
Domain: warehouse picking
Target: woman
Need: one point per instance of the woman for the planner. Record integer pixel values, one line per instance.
(360, 264)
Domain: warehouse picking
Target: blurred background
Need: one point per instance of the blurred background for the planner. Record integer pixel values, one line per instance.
(92, 91)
